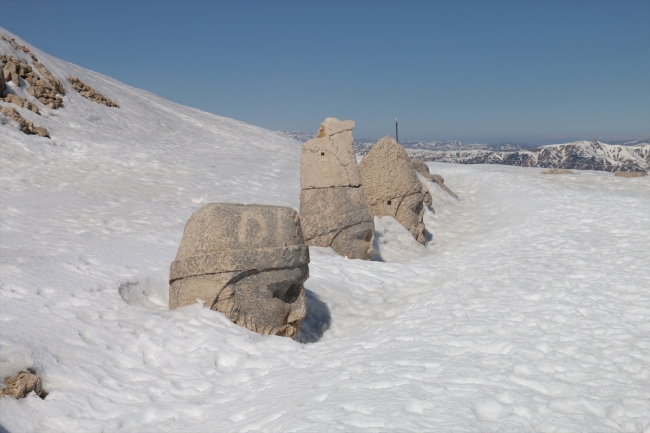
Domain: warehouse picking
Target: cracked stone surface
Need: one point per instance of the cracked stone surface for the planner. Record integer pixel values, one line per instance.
(333, 208)
(246, 261)
(392, 186)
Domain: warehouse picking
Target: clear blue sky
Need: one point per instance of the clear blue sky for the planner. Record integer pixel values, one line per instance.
(484, 71)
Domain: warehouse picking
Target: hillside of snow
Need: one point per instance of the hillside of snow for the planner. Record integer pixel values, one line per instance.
(527, 310)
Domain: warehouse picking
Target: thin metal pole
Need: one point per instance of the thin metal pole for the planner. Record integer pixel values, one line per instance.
(396, 131)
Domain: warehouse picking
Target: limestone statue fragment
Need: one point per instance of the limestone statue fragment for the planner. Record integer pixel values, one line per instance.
(248, 262)
(333, 208)
(392, 186)
(423, 169)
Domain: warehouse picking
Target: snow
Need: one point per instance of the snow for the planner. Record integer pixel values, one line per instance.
(528, 310)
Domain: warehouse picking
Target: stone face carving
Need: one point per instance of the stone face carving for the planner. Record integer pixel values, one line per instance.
(422, 168)
(246, 261)
(22, 384)
(333, 208)
(89, 93)
(392, 186)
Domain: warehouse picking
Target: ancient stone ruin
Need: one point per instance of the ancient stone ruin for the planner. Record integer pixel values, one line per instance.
(248, 262)
(22, 384)
(392, 186)
(89, 93)
(333, 208)
(27, 126)
(423, 169)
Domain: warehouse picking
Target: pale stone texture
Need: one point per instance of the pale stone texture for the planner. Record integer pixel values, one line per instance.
(630, 174)
(246, 261)
(392, 186)
(22, 384)
(333, 208)
(422, 168)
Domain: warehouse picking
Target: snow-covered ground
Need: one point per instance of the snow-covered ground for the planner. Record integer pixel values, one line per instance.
(528, 310)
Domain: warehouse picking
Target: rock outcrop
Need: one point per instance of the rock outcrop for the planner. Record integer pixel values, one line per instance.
(557, 171)
(89, 93)
(392, 186)
(22, 102)
(22, 384)
(333, 207)
(27, 126)
(14, 69)
(423, 169)
(246, 261)
(630, 174)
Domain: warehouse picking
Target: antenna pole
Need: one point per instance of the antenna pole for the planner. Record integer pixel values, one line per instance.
(396, 131)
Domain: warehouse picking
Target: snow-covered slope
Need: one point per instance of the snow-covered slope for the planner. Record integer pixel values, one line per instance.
(581, 155)
(528, 309)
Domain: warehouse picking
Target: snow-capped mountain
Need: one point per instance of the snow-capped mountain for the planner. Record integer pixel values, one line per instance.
(581, 155)
(300, 136)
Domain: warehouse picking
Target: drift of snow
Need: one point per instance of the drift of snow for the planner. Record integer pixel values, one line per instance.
(528, 310)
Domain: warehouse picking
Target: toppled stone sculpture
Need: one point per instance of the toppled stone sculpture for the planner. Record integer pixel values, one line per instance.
(248, 262)
(392, 187)
(22, 384)
(422, 168)
(630, 174)
(333, 207)
(557, 171)
(89, 93)
(26, 126)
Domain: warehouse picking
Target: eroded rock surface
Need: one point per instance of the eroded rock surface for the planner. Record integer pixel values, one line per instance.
(246, 261)
(22, 102)
(14, 69)
(27, 126)
(392, 187)
(22, 384)
(333, 207)
(89, 93)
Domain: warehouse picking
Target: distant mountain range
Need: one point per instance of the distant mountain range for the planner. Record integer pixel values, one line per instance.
(580, 155)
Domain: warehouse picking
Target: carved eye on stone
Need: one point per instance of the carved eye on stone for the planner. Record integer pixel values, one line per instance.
(322, 154)
(388, 202)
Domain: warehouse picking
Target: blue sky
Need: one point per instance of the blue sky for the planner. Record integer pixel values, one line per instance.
(485, 71)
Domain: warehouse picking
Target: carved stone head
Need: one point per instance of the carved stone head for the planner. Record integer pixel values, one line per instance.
(246, 261)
